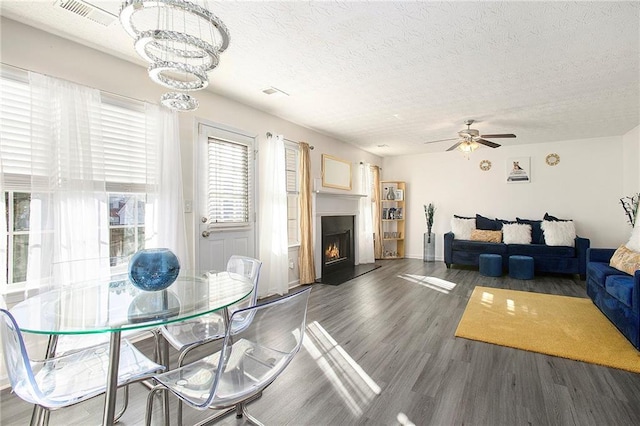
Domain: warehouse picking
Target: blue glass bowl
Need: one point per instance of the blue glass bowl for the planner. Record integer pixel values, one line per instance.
(153, 269)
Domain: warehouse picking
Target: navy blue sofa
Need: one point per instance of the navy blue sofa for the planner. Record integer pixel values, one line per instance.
(615, 293)
(556, 259)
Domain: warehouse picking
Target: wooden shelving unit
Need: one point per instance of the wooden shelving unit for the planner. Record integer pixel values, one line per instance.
(392, 216)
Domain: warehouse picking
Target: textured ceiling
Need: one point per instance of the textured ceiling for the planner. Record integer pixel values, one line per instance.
(400, 73)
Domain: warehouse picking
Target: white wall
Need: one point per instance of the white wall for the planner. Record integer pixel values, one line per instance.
(26, 47)
(631, 161)
(585, 186)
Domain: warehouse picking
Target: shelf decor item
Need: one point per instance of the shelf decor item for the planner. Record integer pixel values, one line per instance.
(391, 195)
(153, 269)
(429, 239)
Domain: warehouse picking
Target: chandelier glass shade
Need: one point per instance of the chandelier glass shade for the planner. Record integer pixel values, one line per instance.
(181, 40)
(467, 147)
(179, 101)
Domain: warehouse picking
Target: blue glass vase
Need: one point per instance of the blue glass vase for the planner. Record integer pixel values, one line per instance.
(153, 269)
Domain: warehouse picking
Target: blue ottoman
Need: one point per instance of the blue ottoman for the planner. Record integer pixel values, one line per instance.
(521, 267)
(491, 265)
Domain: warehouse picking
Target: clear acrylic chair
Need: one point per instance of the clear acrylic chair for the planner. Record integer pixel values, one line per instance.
(188, 335)
(259, 344)
(66, 380)
(74, 272)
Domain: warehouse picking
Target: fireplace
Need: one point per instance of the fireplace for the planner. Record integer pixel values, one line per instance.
(338, 239)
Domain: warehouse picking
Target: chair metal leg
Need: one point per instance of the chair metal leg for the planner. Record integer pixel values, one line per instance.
(236, 408)
(243, 407)
(125, 404)
(39, 416)
(150, 396)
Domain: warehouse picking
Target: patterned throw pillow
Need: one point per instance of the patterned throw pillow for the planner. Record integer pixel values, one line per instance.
(625, 260)
(516, 233)
(488, 236)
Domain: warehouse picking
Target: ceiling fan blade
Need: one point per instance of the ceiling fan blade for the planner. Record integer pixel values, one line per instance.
(455, 146)
(488, 143)
(505, 135)
(441, 140)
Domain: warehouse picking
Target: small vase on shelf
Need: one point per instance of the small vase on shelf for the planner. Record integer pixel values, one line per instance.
(391, 195)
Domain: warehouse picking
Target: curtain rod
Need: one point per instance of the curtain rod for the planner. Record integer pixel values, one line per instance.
(362, 162)
(80, 84)
(269, 134)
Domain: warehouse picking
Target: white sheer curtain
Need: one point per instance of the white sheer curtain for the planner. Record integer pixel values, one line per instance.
(273, 219)
(68, 209)
(68, 164)
(365, 220)
(3, 233)
(165, 222)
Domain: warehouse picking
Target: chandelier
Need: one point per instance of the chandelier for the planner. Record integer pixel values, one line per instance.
(181, 40)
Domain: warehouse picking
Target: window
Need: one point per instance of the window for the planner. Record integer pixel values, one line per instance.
(227, 183)
(128, 157)
(291, 152)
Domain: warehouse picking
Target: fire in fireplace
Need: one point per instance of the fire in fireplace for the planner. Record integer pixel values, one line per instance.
(332, 253)
(337, 248)
(338, 243)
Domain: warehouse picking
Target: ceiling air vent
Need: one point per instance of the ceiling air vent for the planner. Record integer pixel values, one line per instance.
(86, 10)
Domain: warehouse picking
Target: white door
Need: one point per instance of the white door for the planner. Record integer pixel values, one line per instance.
(226, 196)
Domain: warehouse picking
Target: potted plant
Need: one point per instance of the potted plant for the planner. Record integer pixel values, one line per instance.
(429, 238)
(630, 206)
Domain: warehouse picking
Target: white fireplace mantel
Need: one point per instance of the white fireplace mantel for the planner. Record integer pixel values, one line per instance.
(327, 203)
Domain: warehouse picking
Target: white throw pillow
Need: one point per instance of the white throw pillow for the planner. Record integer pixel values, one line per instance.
(559, 233)
(462, 228)
(516, 233)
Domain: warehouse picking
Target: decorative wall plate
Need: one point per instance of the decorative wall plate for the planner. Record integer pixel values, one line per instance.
(552, 159)
(485, 165)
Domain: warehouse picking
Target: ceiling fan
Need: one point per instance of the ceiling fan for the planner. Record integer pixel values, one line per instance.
(468, 139)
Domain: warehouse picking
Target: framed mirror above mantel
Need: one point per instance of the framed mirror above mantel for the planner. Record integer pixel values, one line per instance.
(336, 173)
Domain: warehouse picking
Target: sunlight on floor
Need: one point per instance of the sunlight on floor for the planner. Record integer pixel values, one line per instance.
(433, 283)
(353, 384)
(487, 299)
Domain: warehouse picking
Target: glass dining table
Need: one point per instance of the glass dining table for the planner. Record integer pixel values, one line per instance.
(115, 305)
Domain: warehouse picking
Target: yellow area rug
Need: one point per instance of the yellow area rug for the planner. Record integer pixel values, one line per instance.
(568, 327)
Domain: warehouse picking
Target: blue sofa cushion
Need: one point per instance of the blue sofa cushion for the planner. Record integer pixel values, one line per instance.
(620, 287)
(479, 247)
(540, 250)
(598, 271)
(487, 224)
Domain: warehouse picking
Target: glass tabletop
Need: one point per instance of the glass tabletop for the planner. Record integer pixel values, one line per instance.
(116, 305)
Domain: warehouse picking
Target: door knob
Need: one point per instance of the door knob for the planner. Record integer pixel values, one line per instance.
(205, 234)
(204, 219)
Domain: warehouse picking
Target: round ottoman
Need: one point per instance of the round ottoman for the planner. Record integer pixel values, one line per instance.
(521, 267)
(491, 265)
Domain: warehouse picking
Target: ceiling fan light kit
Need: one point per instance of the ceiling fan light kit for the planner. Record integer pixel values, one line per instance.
(470, 139)
(181, 40)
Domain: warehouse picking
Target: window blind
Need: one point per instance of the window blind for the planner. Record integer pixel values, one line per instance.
(129, 156)
(291, 166)
(25, 150)
(228, 182)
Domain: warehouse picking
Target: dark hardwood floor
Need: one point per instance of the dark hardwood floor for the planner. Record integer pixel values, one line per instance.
(383, 344)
